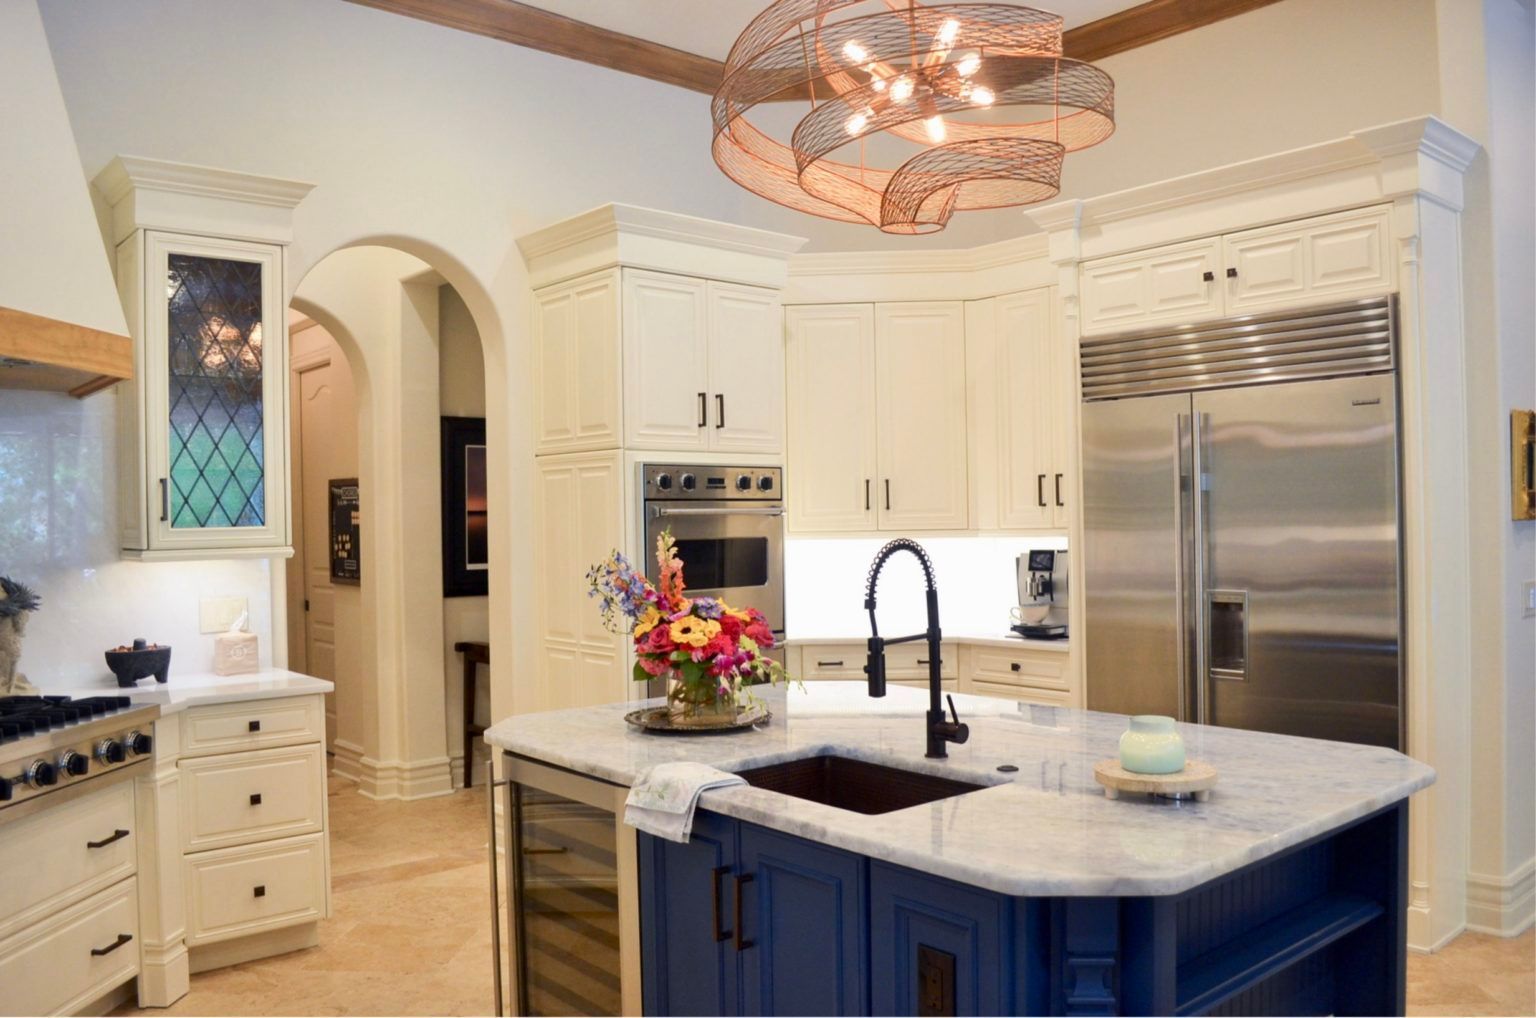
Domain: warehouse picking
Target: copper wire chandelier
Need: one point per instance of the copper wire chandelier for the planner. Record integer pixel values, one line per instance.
(927, 75)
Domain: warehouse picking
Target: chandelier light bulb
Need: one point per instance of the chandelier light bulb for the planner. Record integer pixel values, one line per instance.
(856, 123)
(948, 31)
(878, 84)
(901, 89)
(854, 52)
(968, 66)
(935, 128)
(981, 95)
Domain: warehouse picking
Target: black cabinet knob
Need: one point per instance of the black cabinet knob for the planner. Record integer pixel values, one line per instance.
(1015, 666)
(1209, 276)
(253, 726)
(1232, 273)
(261, 890)
(255, 798)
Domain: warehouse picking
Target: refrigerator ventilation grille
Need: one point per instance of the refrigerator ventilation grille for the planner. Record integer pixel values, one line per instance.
(1357, 338)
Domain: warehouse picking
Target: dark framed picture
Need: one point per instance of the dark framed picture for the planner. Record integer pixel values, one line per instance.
(466, 552)
(345, 511)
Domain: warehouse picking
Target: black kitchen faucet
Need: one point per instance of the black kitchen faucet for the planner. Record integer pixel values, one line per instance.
(941, 728)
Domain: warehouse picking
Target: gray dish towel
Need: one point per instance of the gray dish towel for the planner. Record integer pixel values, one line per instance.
(663, 800)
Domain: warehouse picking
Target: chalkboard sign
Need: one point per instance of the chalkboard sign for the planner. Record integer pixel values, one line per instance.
(346, 564)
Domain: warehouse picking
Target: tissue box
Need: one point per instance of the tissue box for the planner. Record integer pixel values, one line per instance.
(234, 653)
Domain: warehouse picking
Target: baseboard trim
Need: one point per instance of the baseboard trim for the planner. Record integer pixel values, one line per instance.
(405, 779)
(223, 953)
(347, 761)
(1503, 906)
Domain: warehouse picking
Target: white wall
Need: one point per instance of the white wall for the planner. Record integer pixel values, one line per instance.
(58, 535)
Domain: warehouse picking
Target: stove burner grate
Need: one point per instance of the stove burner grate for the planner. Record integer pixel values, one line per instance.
(23, 716)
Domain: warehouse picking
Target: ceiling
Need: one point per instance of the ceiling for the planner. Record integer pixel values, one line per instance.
(708, 27)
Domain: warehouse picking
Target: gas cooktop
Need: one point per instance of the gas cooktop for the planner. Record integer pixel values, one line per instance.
(53, 743)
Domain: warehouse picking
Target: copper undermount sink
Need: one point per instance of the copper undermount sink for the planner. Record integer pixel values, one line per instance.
(856, 785)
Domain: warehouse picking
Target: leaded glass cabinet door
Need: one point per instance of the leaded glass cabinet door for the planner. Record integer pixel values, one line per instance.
(216, 395)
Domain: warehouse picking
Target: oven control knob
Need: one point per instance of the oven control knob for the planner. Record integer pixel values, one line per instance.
(110, 751)
(41, 774)
(664, 481)
(743, 482)
(765, 483)
(689, 482)
(5, 789)
(74, 764)
(138, 743)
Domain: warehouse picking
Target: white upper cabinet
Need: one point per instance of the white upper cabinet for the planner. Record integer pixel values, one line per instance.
(577, 364)
(666, 361)
(1034, 406)
(746, 364)
(1332, 257)
(1337, 256)
(830, 391)
(1171, 284)
(921, 406)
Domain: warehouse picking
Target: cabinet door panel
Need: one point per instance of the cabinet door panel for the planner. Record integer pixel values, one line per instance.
(1027, 411)
(1341, 255)
(746, 369)
(688, 970)
(577, 364)
(804, 914)
(830, 393)
(1147, 287)
(666, 361)
(921, 409)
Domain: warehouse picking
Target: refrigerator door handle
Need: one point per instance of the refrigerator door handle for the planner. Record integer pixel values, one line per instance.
(1183, 521)
(1200, 547)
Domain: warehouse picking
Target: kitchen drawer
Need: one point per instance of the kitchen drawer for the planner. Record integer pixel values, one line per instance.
(903, 661)
(1005, 666)
(47, 860)
(234, 892)
(252, 724)
(1024, 694)
(239, 798)
(49, 967)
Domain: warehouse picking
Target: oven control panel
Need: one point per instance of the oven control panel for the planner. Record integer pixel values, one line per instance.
(682, 481)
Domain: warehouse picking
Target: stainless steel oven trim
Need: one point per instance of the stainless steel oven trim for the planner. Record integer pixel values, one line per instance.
(657, 511)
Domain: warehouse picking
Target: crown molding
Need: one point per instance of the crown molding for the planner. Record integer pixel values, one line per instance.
(126, 172)
(159, 194)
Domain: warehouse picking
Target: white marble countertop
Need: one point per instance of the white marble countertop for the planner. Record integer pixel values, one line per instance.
(984, 639)
(1044, 830)
(188, 689)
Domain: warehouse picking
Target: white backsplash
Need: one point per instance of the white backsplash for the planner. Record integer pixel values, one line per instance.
(825, 577)
(58, 535)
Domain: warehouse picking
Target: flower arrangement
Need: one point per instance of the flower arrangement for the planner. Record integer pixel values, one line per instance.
(709, 652)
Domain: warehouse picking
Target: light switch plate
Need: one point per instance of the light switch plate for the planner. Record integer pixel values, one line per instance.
(217, 614)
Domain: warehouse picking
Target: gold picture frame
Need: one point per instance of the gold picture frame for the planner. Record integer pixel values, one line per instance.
(1522, 464)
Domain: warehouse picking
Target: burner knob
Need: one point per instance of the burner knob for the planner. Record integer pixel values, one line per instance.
(5, 789)
(41, 774)
(74, 764)
(744, 482)
(110, 751)
(138, 743)
(664, 481)
(765, 483)
(689, 482)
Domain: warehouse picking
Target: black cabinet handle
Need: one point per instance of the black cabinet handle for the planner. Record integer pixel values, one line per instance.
(742, 879)
(1232, 272)
(255, 798)
(720, 410)
(253, 726)
(260, 890)
(703, 409)
(924, 660)
(1058, 491)
(1040, 489)
(714, 897)
(829, 664)
(117, 835)
(866, 494)
(887, 493)
(165, 501)
(546, 851)
(122, 938)
(1015, 666)
(1208, 276)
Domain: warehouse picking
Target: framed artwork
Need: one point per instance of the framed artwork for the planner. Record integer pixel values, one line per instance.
(345, 510)
(466, 551)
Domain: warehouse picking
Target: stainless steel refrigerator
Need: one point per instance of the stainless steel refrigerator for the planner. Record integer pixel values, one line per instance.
(1241, 561)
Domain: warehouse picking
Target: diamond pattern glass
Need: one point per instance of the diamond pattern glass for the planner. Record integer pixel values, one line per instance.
(216, 453)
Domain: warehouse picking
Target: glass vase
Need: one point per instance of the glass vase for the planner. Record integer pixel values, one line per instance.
(699, 704)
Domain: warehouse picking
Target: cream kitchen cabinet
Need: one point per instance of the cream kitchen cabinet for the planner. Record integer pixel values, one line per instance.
(578, 364)
(1032, 393)
(666, 361)
(877, 417)
(1323, 258)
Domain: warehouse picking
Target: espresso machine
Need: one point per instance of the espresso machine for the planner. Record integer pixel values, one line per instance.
(1042, 610)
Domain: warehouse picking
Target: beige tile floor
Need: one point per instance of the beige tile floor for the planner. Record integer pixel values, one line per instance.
(410, 931)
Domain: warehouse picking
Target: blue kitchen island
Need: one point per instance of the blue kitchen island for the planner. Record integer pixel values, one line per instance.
(1017, 887)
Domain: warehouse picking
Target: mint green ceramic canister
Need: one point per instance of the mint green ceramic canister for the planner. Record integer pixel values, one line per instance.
(1152, 745)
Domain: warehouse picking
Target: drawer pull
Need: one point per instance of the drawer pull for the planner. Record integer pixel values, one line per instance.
(122, 938)
(829, 664)
(546, 851)
(253, 726)
(721, 936)
(117, 835)
(255, 798)
(742, 943)
(924, 661)
(1015, 666)
(261, 890)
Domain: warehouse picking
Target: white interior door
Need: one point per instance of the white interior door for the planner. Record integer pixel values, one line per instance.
(921, 405)
(317, 453)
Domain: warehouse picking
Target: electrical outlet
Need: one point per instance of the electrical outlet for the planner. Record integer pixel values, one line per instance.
(217, 614)
(1528, 599)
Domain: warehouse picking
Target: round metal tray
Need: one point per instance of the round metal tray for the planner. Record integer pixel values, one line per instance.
(659, 721)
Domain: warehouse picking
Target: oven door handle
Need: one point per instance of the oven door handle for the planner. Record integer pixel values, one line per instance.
(657, 512)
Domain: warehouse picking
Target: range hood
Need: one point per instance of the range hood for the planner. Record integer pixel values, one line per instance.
(61, 322)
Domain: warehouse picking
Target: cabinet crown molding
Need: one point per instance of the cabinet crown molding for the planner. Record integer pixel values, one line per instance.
(159, 194)
(1004, 266)
(617, 234)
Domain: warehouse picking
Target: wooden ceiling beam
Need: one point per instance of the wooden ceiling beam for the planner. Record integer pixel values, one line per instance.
(525, 25)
